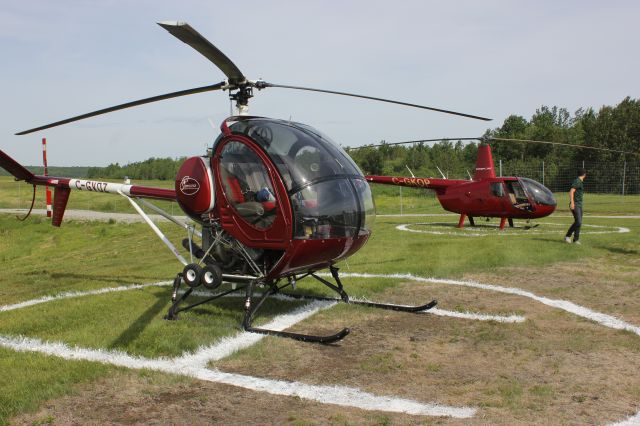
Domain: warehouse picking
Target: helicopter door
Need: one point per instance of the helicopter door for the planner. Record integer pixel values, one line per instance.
(517, 196)
(254, 205)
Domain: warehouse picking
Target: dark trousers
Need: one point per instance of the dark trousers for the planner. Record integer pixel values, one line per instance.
(577, 223)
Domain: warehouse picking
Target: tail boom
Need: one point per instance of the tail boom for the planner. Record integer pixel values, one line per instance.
(63, 187)
(414, 182)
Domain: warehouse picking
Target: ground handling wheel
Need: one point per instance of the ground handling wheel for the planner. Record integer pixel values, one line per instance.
(211, 277)
(192, 275)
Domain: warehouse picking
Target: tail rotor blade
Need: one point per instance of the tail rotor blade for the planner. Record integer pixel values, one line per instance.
(195, 90)
(262, 84)
(185, 33)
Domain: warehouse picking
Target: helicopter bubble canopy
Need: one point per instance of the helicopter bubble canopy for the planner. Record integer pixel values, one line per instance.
(329, 195)
(540, 193)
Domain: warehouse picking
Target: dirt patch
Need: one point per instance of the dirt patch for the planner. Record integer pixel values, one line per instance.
(609, 285)
(157, 399)
(554, 366)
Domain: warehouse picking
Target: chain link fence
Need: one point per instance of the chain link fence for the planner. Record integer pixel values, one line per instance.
(616, 178)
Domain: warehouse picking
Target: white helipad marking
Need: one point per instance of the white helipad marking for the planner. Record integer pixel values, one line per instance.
(495, 230)
(229, 345)
(457, 215)
(474, 316)
(74, 294)
(338, 395)
(581, 311)
(631, 421)
(194, 364)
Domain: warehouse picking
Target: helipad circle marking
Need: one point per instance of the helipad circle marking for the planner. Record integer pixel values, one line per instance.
(494, 230)
(337, 395)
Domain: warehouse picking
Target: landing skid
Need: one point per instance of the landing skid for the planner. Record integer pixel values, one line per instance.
(251, 306)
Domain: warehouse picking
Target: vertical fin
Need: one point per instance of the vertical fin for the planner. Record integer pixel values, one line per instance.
(484, 163)
(60, 198)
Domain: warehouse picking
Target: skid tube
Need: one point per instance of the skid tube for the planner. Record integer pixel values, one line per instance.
(250, 308)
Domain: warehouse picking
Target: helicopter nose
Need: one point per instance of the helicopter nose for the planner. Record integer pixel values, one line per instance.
(544, 210)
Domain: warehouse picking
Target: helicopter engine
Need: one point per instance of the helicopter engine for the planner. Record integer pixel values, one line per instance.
(195, 191)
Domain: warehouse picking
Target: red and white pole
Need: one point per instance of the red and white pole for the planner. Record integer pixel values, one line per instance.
(46, 173)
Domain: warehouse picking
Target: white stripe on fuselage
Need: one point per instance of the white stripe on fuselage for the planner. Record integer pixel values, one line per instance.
(97, 186)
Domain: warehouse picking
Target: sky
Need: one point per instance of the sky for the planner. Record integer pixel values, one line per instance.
(491, 58)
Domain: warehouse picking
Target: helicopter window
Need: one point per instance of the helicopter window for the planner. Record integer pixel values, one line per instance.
(247, 185)
(517, 195)
(366, 202)
(497, 189)
(540, 193)
(326, 210)
(300, 154)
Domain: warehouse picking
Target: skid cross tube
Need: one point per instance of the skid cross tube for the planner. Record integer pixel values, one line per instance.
(250, 310)
(174, 309)
(344, 297)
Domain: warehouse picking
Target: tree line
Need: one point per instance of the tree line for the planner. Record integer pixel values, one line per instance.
(150, 169)
(614, 127)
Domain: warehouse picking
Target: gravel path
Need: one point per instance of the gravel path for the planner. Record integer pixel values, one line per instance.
(93, 215)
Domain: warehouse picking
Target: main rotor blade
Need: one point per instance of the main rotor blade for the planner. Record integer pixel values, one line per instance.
(185, 33)
(195, 90)
(262, 84)
(560, 143)
(416, 141)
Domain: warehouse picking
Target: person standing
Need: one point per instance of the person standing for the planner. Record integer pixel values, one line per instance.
(576, 195)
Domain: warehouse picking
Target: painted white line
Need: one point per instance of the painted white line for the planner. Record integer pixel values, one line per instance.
(494, 230)
(455, 314)
(337, 395)
(554, 216)
(194, 364)
(631, 421)
(565, 305)
(74, 294)
(475, 316)
(229, 345)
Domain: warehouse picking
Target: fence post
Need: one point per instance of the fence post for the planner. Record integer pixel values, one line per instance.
(400, 201)
(500, 161)
(543, 172)
(624, 173)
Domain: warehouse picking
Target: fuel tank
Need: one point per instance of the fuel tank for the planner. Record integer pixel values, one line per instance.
(194, 186)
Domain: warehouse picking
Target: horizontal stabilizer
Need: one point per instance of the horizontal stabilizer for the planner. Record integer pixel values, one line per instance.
(15, 168)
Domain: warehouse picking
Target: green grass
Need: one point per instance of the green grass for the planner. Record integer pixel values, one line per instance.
(18, 195)
(389, 200)
(37, 259)
(452, 256)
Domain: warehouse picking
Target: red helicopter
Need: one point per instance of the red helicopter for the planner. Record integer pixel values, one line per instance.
(485, 194)
(275, 201)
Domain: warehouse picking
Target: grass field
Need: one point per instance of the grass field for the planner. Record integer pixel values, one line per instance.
(389, 200)
(552, 368)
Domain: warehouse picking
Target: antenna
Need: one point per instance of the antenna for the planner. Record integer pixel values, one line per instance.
(46, 173)
(442, 174)
(412, 175)
(470, 178)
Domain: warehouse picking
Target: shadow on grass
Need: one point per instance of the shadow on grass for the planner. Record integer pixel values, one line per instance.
(619, 250)
(131, 279)
(138, 326)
